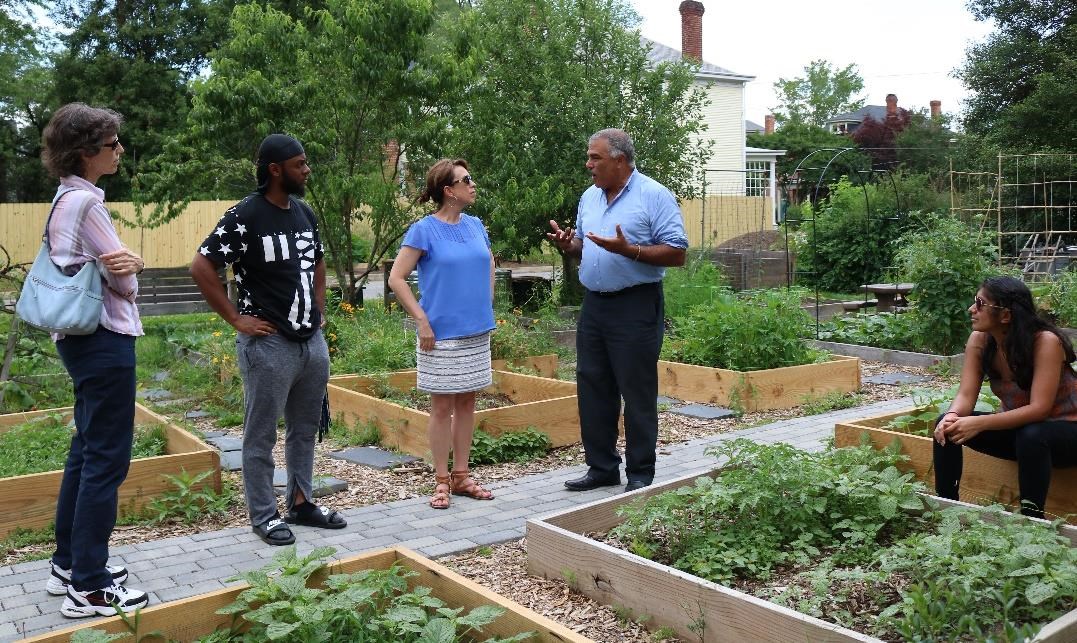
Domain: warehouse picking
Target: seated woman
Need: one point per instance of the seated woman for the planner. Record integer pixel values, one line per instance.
(1027, 361)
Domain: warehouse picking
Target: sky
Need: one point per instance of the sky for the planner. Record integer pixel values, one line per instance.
(909, 49)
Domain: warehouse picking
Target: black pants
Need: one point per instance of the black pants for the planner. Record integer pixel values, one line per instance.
(1036, 448)
(102, 368)
(618, 340)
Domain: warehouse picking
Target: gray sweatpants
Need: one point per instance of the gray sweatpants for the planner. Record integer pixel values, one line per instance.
(280, 377)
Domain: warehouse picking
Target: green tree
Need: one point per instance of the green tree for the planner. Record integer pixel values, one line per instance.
(353, 81)
(801, 139)
(25, 96)
(926, 145)
(137, 57)
(824, 91)
(1023, 78)
(549, 73)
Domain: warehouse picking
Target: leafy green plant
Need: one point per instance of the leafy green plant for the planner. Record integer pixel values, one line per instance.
(357, 434)
(510, 340)
(1061, 298)
(832, 401)
(511, 446)
(188, 501)
(946, 259)
(748, 331)
(41, 444)
(368, 339)
(930, 403)
(697, 282)
(882, 330)
(370, 605)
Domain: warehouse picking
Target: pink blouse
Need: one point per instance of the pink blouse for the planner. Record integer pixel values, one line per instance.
(81, 229)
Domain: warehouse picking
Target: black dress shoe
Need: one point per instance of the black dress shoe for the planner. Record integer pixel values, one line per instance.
(636, 484)
(588, 482)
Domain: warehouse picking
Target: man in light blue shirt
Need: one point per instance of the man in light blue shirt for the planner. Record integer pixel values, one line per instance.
(628, 230)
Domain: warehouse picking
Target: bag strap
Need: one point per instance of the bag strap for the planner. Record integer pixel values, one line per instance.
(55, 201)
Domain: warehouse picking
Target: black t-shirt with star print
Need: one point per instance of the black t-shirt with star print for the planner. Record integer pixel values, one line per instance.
(272, 252)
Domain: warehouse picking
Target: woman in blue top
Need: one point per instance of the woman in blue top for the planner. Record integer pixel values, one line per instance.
(453, 319)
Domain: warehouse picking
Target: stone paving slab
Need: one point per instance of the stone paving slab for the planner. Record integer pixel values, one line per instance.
(232, 460)
(895, 379)
(703, 411)
(373, 457)
(183, 566)
(226, 443)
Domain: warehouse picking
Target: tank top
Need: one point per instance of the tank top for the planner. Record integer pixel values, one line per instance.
(1064, 408)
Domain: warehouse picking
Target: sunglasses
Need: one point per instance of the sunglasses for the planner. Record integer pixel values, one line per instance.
(979, 304)
(113, 145)
(465, 178)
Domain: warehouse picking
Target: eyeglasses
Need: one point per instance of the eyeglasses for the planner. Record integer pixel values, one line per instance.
(465, 178)
(979, 304)
(113, 145)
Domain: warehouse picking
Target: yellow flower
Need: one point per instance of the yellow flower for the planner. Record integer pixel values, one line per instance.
(216, 333)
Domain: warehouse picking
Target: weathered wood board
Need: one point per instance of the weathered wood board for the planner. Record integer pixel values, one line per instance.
(29, 501)
(775, 388)
(189, 618)
(546, 404)
(544, 365)
(660, 596)
(984, 480)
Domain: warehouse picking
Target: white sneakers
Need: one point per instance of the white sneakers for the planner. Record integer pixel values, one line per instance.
(100, 602)
(60, 578)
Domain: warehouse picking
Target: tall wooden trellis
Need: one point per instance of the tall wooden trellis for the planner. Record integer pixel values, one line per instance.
(1031, 200)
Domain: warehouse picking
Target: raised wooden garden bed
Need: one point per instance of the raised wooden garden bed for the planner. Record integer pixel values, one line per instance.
(547, 405)
(891, 356)
(775, 388)
(189, 618)
(984, 480)
(544, 365)
(29, 501)
(662, 596)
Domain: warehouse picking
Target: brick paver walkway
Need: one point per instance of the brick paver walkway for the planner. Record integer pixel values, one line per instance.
(184, 566)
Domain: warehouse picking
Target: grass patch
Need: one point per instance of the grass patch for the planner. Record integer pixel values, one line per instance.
(41, 444)
(832, 401)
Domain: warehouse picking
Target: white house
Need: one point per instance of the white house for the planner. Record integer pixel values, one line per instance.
(733, 168)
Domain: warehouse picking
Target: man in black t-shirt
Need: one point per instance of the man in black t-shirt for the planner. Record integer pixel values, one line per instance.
(270, 239)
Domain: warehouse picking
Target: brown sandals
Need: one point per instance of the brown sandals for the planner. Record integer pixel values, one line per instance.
(440, 499)
(463, 485)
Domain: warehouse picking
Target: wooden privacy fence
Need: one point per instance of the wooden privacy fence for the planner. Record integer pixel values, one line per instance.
(168, 246)
(173, 244)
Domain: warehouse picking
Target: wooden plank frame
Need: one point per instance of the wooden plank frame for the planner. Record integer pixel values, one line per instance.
(29, 501)
(661, 596)
(775, 388)
(544, 365)
(190, 618)
(546, 404)
(984, 479)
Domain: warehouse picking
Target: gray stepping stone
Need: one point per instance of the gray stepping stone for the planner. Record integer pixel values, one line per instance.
(322, 486)
(893, 379)
(195, 415)
(226, 443)
(704, 412)
(154, 394)
(662, 399)
(232, 460)
(213, 434)
(160, 376)
(373, 457)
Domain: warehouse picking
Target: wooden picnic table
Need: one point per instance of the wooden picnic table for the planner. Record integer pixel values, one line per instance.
(887, 293)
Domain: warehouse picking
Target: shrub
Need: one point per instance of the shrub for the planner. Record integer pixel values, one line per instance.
(368, 339)
(510, 340)
(882, 330)
(1061, 298)
(947, 259)
(511, 446)
(697, 282)
(749, 331)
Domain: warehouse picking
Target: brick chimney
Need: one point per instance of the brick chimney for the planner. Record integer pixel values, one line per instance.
(768, 124)
(936, 109)
(891, 105)
(692, 29)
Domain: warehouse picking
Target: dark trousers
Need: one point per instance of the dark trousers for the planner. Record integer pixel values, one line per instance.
(102, 368)
(1036, 448)
(618, 339)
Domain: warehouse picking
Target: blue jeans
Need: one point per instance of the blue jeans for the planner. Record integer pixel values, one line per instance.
(102, 369)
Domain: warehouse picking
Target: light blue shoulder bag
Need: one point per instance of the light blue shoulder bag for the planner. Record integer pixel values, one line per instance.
(52, 301)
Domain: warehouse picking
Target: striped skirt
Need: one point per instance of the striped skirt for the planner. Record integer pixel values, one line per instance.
(458, 365)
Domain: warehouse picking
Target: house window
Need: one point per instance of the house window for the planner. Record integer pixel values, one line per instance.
(757, 178)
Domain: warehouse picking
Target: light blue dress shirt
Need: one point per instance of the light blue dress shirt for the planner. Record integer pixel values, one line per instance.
(648, 215)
